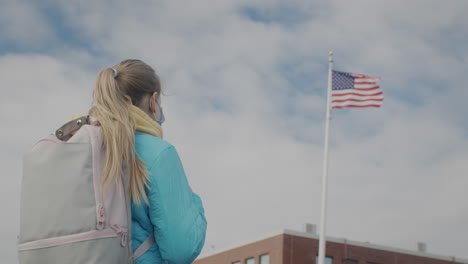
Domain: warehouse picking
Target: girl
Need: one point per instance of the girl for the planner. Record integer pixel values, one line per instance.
(127, 104)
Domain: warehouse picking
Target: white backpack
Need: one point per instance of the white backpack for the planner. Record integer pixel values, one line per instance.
(65, 217)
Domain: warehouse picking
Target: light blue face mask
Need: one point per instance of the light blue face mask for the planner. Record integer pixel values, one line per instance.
(161, 118)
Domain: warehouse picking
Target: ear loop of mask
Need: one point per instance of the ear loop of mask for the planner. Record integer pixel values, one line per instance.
(161, 115)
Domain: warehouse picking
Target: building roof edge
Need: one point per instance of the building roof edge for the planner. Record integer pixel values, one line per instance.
(217, 251)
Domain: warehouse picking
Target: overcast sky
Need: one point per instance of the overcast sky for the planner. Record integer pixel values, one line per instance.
(245, 82)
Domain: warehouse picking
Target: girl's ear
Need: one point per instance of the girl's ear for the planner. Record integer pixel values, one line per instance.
(152, 102)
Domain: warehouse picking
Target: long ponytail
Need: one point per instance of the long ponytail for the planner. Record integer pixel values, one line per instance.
(112, 109)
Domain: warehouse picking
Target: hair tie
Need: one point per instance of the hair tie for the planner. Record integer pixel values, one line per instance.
(115, 73)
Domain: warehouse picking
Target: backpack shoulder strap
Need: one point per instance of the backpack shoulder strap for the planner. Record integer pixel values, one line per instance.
(145, 246)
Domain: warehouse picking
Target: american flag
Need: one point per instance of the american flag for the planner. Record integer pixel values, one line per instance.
(355, 90)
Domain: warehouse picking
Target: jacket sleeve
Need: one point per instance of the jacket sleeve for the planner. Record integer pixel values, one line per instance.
(176, 212)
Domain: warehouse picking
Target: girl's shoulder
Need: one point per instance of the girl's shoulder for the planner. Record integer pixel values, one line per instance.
(149, 147)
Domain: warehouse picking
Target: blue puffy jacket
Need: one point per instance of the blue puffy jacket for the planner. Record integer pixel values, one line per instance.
(175, 214)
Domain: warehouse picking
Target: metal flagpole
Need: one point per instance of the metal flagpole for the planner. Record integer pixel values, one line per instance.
(323, 217)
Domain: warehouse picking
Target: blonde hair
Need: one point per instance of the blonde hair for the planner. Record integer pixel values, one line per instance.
(113, 95)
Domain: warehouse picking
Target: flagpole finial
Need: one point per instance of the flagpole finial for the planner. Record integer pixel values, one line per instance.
(330, 56)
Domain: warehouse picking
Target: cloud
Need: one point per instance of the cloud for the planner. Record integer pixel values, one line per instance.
(17, 18)
(245, 108)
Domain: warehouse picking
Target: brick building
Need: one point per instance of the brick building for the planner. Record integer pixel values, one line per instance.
(292, 247)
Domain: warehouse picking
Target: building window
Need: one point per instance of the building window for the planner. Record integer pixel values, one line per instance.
(328, 260)
(265, 259)
(350, 261)
(250, 261)
(236, 262)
